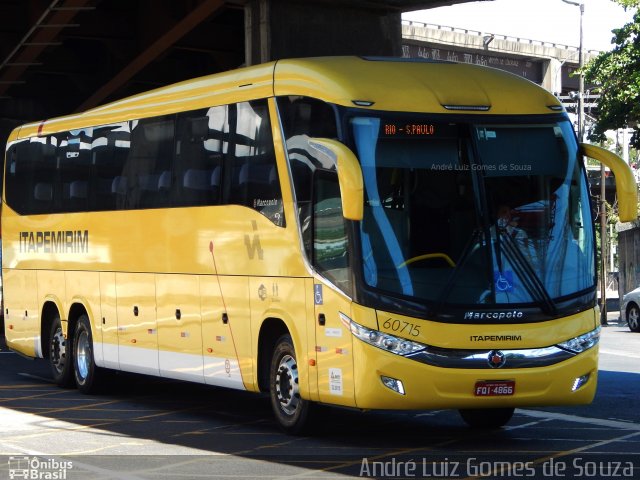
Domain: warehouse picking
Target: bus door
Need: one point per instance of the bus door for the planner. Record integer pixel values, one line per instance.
(334, 354)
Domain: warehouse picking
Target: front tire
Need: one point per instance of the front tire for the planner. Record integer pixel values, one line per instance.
(633, 317)
(486, 418)
(60, 355)
(290, 409)
(87, 373)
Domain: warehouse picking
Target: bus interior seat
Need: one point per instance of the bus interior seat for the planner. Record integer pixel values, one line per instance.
(197, 179)
(78, 189)
(76, 195)
(257, 182)
(119, 185)
(200, 186)
(43, 192)
(164, 182)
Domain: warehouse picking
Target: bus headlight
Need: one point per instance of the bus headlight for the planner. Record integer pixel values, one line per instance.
(582, 343)
(384, 341)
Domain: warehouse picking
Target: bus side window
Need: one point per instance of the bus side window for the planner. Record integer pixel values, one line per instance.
(303, 118)
(74, 157)
(330, 243)
(254, 175)
(150, 155)
(109, 150)
(201, 143)
(31, 176)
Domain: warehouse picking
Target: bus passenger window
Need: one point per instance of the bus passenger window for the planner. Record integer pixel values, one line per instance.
(150, 155)
(254, 175)
(74, 159)
(31, 187)
(303, 118)
(201, 142)
(109, 152)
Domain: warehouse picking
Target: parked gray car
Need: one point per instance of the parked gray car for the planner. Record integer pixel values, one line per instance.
(630, 310)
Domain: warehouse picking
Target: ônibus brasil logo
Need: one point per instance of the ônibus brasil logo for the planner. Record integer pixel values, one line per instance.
(34, 468)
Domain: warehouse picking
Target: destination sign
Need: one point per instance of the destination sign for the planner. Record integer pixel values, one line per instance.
(408, 129)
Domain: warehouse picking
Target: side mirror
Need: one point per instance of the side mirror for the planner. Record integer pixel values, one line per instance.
(625, 182)
(349, 175)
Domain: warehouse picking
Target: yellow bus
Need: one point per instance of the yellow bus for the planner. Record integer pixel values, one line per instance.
(364, 232)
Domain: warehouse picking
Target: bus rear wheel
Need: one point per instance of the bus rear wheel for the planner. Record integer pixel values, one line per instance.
(60, 355)
(486, 418)
(87, 373)
(290, 409)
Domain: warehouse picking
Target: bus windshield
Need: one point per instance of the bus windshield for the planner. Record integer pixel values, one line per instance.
(472, 214)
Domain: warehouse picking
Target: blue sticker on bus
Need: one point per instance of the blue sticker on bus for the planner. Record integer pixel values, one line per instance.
(503, 281)
(317, 294)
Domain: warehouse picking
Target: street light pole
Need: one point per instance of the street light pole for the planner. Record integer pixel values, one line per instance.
(603, 178)
(581, 76)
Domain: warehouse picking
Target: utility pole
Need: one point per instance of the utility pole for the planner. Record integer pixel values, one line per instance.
(603, 247)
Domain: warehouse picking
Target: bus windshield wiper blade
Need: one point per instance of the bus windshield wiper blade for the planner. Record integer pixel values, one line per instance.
(525, 271)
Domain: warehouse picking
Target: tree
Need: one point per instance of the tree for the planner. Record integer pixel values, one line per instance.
(617, 76)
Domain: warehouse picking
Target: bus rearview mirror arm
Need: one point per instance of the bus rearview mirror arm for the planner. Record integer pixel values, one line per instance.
(625, 181)
(349, 175)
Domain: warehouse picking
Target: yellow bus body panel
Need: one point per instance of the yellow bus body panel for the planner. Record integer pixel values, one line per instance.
(411, 86)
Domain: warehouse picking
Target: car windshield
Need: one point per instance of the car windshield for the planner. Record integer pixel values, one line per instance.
(473, 213)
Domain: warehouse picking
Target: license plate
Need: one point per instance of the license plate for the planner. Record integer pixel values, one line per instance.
(495, 388)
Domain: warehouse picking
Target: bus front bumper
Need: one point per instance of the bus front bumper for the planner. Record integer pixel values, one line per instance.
(416, 385)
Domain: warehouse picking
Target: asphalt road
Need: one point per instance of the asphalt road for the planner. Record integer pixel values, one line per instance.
(146, 428)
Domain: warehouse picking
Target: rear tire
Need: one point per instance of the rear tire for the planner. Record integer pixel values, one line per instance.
(87, 373)
(486, 418)
(291, 410)
(633, 318)
(60, 355)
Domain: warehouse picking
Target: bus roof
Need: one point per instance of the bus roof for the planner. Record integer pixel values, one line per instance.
(386, 83)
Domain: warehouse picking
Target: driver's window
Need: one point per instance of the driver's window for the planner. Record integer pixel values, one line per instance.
(330, 242)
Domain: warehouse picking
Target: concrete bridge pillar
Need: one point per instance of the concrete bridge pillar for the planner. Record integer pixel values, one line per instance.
(552, 75)
(276, 29)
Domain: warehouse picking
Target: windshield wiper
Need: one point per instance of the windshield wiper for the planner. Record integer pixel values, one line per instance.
(525, 271)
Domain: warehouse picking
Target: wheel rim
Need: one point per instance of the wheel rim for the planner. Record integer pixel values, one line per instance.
(286, 385)
(58, 350)
(634, 316)
(83, 355)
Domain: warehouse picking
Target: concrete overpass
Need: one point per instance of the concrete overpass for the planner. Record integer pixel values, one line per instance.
(548, 64)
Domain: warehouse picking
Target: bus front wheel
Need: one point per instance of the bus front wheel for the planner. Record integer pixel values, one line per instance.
(60, 353)
(487, 418)
(290, 409)
(86, 371)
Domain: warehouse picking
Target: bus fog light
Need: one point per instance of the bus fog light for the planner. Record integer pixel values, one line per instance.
(393, 384)
(579, 382)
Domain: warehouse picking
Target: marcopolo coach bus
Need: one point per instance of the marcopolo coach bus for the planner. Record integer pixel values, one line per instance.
(364, 232)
